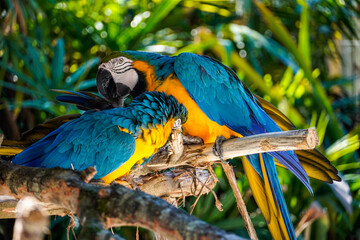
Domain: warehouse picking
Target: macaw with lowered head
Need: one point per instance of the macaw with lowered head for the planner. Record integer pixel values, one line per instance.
(218, 104)
(113, 140)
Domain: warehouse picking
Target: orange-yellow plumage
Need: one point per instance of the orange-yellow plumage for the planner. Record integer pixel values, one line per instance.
(198, 124)
(149, 72)
(146, 145)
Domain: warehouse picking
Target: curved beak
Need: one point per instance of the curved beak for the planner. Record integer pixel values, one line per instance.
(113, 91)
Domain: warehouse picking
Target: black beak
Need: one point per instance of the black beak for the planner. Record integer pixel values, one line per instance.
(112, 91)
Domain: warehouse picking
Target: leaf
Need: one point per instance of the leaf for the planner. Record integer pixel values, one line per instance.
(228, 201)
(348, 166)
(57, 64)
(29, 81)
(5, 59)
(16, 87)
(314, 212)
(347, 144)
(271, 46)
(251, 74)
(86, 84)
(231, 224)
(36, 67)
(196, 47)
(322, 125)
(19, 97)
(283, 35)
(304, 39)
(159, 13)
(40, 105)
(81, 71)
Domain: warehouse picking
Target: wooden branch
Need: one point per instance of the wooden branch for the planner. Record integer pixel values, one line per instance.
(200, 156)
(239, 200)
(267, 142)
(177, 183)
(173, 184)
(115, 205)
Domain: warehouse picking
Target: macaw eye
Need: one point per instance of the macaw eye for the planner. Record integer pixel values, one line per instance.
(121, 60)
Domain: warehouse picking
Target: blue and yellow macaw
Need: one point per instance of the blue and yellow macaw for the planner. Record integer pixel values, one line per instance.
(218, 104)
(113, 140)
(83, 100)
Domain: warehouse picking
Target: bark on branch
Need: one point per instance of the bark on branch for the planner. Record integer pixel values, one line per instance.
(200, 156)
(114, 205)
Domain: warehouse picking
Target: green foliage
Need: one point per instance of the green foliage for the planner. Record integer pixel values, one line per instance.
(37, 76)
(279, 48)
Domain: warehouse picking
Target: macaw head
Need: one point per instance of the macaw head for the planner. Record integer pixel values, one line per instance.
(131, 72)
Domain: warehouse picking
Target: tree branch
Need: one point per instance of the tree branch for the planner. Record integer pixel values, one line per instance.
(114, 205)
(239, 200)
(202, 155)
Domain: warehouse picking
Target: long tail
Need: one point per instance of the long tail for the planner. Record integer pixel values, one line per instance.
(315, 164)
(268, 195)
(12, 148)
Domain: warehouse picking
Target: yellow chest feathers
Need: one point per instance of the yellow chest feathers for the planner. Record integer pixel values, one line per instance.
(147, 144)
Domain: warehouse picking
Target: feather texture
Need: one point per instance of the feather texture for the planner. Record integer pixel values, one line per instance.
(107, 139)
(220, 104)
(229, 102)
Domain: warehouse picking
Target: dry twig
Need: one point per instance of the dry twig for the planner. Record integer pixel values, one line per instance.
(239, 200)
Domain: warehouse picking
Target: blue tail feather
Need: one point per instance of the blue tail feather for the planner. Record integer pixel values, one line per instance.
(291, 162)
(74, 99)
(278, 195)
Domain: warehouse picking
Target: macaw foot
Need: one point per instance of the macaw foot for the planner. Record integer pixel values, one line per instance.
(217, 148)
(192, 140)
(166, 149)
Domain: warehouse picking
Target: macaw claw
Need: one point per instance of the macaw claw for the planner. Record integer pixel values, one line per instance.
(217, 147)
(192, 140)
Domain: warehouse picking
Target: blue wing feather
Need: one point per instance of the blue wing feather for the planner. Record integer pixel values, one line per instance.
(94, 139)
(228, 102)
(91, 140)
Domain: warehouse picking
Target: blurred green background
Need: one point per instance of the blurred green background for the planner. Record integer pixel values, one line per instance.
(302, 56)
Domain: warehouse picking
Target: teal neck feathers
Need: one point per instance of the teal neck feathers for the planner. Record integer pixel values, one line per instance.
(148, 110)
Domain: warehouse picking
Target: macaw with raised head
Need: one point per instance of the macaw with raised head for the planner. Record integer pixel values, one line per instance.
(218, 104)
(113, 140)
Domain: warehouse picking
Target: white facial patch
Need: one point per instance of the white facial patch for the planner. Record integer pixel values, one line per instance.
(128, 78)
(122, 71)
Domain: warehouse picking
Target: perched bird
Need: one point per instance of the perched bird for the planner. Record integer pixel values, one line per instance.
(113, 140)
(218, 104)
(83, 100)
